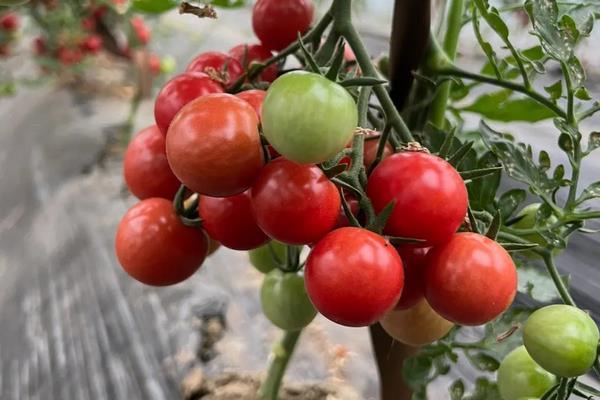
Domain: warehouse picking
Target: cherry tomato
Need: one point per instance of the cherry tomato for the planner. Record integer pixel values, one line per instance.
(213, 145)
(268, 257)
(217, 65)
(92, 44)
(68, 56)
(246, 54)
(370, 151)
(562, 339)
(277, 23)
(177, 93)
(229, 220)
(307, 118)
(294, 203)
(154, 64)
(519, 376)
(416, 326)
(255, 98)
(154, 247)
(414, 260)
(145, 166)
(431, 197)
(284, 300)
(470, 280)
(9, 21)
(354, 208)
(354, 276)
(142, 32)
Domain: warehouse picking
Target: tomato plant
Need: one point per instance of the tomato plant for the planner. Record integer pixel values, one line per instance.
(307, 118)
(354, 276)
(285, 302)
(520, 377)
(562, 339)
(145, 166)
(170, 255)
(213, 145)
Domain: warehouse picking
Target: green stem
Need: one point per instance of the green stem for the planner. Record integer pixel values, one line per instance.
(558, 282)
(589, 112)
(459, 73)
(282, 352)
(453, 27)
(577, 152)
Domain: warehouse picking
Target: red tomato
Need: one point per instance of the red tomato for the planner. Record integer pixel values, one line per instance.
(146, 168)
(154, 247)
(414, 260)
(154, 64)
(88, 24)
(370, 151)
(470, 280)
(431, 197)
(142, 32)
(92, 44)
(178, 92)
(221, 64)
(354, 207)
(39, 45)
(353, 276)
(277, 23)
(9, 21)
(213, 145)
(229, 220)
(246, 54)
(294, 203)
(255, 98)
(68, 56)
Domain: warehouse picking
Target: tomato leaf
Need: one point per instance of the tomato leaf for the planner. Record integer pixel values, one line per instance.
(362, 81)
(479, 173)
(510, 201)
(494, 227)
(153, 6)
(593, 142)
(536, 283)
(484, 390)
(518, 246)
(501, 106)
(591, 192)
(458, 156)
(457, 390)
(447, 144)
(381, 219)
(308, 57)
(336, 62)
(483, 362)
(482, 192)
(227, 3)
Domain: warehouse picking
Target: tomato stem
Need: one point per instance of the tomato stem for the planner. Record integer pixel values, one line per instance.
(558, 282)
(281, 354)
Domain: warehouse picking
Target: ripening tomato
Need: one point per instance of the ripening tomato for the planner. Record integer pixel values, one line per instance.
(145, 166)
(414, 260)
(178, 92)
(431, 197)
(9, 21)
(277, 23)
(353, 276)
(268, 257)
(519, 376)
(416, 326)
(562, 339)
(470, 280)
(229, 220)
(255, 98)
(213, 145)
(91, 44)
(246, 54)
(294, 203)
(154, 246)
(307, 118)
(226, 68)
(284, 300)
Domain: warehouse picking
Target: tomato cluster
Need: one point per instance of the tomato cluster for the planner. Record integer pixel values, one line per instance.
(254, 163)
(9, 24)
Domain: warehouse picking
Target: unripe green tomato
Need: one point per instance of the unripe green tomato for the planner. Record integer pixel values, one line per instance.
(528, 221)
(284, 300)
(520, 377)
(167, 64)
(12, 2)
(267, 257)
(307, 118)
(562, 339)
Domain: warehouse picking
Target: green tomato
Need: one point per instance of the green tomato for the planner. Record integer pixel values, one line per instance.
(12, 2)
(153, 6)
(267, 257)
(284, 300)
(562, 339)
(307, 118)
(520, 377)
(527, 221)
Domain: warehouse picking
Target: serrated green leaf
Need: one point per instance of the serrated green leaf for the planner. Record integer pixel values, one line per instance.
(556, 40)
(501, 106)
(487, 48)
(554, 90)
(510, 201)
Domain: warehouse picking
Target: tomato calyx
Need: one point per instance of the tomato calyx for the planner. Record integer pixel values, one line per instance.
(187, 208)
(415, 147)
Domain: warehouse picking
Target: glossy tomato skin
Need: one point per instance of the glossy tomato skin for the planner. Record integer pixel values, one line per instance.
(229, 220)
(246, 54)
(220, 62)
(354, 276)
(284, 300)
(294, 203)
(255, 98)
(213, 145)
(155, 248)
(307, 118)
(519, 376)
(268, 257)
(470, 280)
(416, 326)
(562, 339)
(145, 166)
(414, 260)
(178, 92)
(431, 197)
(277, 23)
